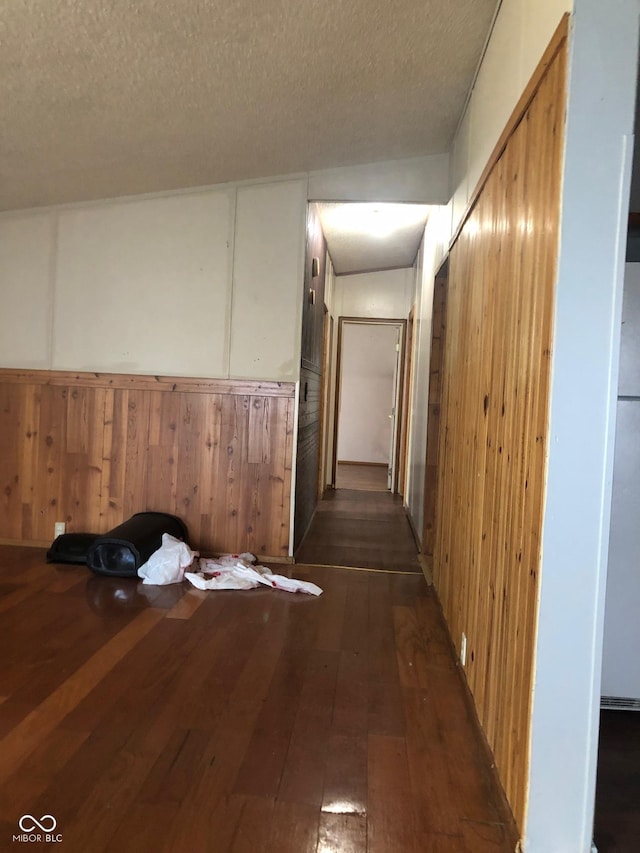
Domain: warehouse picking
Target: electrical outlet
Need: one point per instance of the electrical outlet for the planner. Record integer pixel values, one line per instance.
(59, 528)
(463, 649)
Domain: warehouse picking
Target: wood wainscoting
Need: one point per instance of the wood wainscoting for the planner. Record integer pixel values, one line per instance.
(92, 449)
(494, 419)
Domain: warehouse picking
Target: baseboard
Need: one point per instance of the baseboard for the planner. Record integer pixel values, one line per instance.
(413, 527)
(26, 543)
(261, 558)
(367, 464)
(426, 566)
(304, 535)
(265, 558)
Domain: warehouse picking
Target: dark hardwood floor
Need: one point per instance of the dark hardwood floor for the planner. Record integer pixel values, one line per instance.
(617, 821)
(364, 529)
(168, 719)
(368, 478)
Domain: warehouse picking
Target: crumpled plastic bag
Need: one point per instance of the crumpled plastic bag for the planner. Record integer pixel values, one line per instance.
(167, 564)
(236, 571)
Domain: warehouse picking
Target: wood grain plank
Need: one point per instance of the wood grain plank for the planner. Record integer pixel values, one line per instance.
(390, 820)
(303, 774)
(293, 828)
(148, 732)
(23, 739)
(494, 422)
(346, 833)
(92, 453)
(140, 382)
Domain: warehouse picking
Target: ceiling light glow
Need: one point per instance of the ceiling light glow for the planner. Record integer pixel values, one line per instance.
(374, 220)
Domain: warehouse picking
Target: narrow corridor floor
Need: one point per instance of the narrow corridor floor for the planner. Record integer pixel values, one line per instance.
(367, 530)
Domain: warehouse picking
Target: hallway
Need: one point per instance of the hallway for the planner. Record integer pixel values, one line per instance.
(360, 529)
(168, 719)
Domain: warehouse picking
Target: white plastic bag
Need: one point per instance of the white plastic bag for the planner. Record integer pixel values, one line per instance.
(235, 571)
(167, 564)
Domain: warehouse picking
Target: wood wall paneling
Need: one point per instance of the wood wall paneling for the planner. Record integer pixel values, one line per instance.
(92, 449)
(493, 434)
(309, 411)
(308, 450)
(438, 328)
(313, 312)
(406, 396)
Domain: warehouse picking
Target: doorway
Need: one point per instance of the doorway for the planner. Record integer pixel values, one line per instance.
(369, 373)
(360, 276)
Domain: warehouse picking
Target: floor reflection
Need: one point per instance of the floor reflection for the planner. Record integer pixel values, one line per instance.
(113, 595)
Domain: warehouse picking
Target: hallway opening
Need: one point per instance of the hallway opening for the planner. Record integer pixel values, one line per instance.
(369, 402)
(360, 529)
(362, 477)
(353, 422)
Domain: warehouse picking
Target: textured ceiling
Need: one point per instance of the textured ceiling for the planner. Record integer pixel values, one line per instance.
(101, 98)
(357, 243)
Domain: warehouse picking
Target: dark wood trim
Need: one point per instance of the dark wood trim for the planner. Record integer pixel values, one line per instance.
(142, 382)
(443, 267)
(311, 366)
(556, 44)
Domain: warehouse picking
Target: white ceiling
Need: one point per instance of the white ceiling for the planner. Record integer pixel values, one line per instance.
(365, 237)
(101, 98)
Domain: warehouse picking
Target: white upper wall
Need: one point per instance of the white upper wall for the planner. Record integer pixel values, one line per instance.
(522, 31)
(204, 282)
(143, 286)
(26, 257)
(422, 180)
(387, 294)
(266, 318)
(184, 284)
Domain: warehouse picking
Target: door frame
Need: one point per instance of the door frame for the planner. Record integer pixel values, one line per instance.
(327, 343)
(399, 403)
(407, 392)
(436, 376)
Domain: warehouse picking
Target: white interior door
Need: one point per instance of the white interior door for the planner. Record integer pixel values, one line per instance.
(368, 400)
(393, 416)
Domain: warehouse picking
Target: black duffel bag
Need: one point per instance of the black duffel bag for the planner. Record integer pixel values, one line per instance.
(122, 551)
